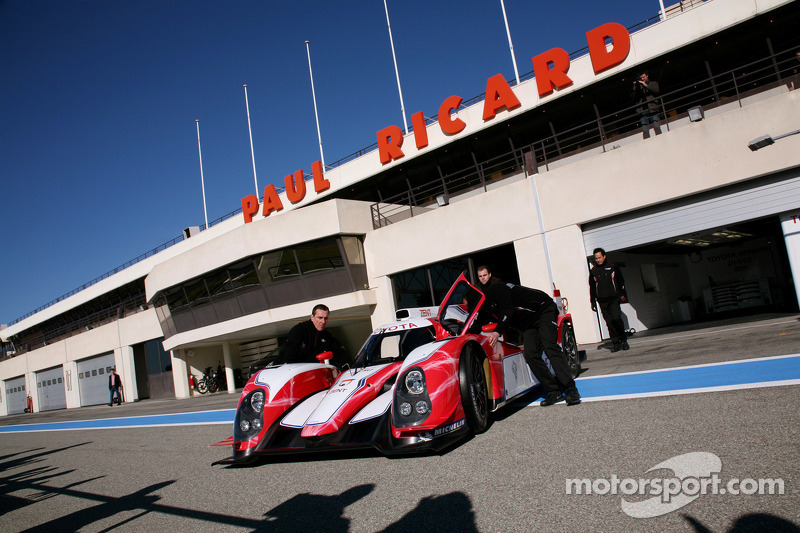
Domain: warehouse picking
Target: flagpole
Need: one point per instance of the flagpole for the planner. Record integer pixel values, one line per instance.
(314, 96)
(396, 72)
(252, 154)
(510, 44)
(202, 181)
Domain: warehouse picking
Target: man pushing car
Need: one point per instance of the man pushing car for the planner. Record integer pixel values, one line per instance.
(310, 338)
(535, 315)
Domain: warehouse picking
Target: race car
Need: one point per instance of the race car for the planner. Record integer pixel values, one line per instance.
(418, 384)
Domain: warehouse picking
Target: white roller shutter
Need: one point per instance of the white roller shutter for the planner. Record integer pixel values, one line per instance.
(50, 388)
(93, 379)
(749, 201)
(16, 396)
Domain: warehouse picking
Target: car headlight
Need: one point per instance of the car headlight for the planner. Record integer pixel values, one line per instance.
(244, 425)
(415, 382)
(257, 401)
(411, 399)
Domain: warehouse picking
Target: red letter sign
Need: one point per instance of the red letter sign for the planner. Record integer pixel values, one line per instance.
(448, 125)
(320, 183)
(295, 188)
(498, 96)
(271, 200)
(603, 59)
(390, 139)
(546, 78)
(420, 133)
(249, 207)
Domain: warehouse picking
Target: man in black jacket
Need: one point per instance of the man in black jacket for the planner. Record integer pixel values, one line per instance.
(535, 315)
(310, 338)
(607, 288)
(114, 387)
(645, 92)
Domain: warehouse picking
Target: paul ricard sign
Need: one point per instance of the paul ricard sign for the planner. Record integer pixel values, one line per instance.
(609, 45)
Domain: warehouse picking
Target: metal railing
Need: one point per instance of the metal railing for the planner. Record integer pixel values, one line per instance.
(599, 134)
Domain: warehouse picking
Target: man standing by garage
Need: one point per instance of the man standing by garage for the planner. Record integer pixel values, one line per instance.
(114, 387)
(607, 288)
(535, 314)
(310, 338)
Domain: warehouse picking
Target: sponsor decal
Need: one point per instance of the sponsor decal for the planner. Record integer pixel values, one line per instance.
(449, 428)
(396, 327)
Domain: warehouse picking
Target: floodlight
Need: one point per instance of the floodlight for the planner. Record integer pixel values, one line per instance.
(696, 114)
(760, 142)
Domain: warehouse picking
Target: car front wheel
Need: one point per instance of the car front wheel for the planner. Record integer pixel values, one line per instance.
(474, 396)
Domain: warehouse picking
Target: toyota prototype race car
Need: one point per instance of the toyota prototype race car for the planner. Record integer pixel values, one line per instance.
(418, 384)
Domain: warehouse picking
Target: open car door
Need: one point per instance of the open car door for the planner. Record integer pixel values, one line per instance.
(460, 307)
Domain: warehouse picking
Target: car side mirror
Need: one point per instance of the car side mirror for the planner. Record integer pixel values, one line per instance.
(488, 328)
(325, 357)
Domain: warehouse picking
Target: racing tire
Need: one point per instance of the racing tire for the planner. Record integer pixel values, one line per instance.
(570, 348)
(202, 386)
(474, 395)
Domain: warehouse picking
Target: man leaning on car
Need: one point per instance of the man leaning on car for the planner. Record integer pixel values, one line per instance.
(535, 315)
(310, 338)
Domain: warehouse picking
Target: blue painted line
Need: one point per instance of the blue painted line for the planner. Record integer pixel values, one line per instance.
(730, 374)
(733, 374)
(223, 416)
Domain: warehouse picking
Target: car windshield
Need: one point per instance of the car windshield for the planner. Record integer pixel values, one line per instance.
(393, 343)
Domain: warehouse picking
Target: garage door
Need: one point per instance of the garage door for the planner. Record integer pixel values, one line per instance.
(16, 395)
(93, 379)
(50, 389)
(749, 201)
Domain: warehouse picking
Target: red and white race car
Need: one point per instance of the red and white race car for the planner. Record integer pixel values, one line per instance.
(417, 384)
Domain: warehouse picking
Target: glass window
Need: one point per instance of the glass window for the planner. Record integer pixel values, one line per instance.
(314, 257)
(219, 284)
(176, 299)
(94, 372)
(278, 265)
(411, 288)
(102, 371)
(60, 380)
(354, 250)
(196, 292)
(243, 275)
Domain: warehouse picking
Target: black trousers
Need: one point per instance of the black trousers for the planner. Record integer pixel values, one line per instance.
(613, 317)
(542, 335)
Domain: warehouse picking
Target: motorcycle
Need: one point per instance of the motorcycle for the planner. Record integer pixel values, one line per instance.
(206, 383)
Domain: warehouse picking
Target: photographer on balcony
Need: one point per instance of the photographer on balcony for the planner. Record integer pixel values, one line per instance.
(645, 93)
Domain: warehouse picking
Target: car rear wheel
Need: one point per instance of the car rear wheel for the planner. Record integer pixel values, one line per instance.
(474, 396)
(570, 347)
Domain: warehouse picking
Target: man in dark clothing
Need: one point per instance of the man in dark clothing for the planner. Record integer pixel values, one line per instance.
(114, 386)
(535, 315)
(607, 288)
(310, 338)
(645, 92)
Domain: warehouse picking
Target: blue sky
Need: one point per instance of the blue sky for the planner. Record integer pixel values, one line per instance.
(98, 102)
